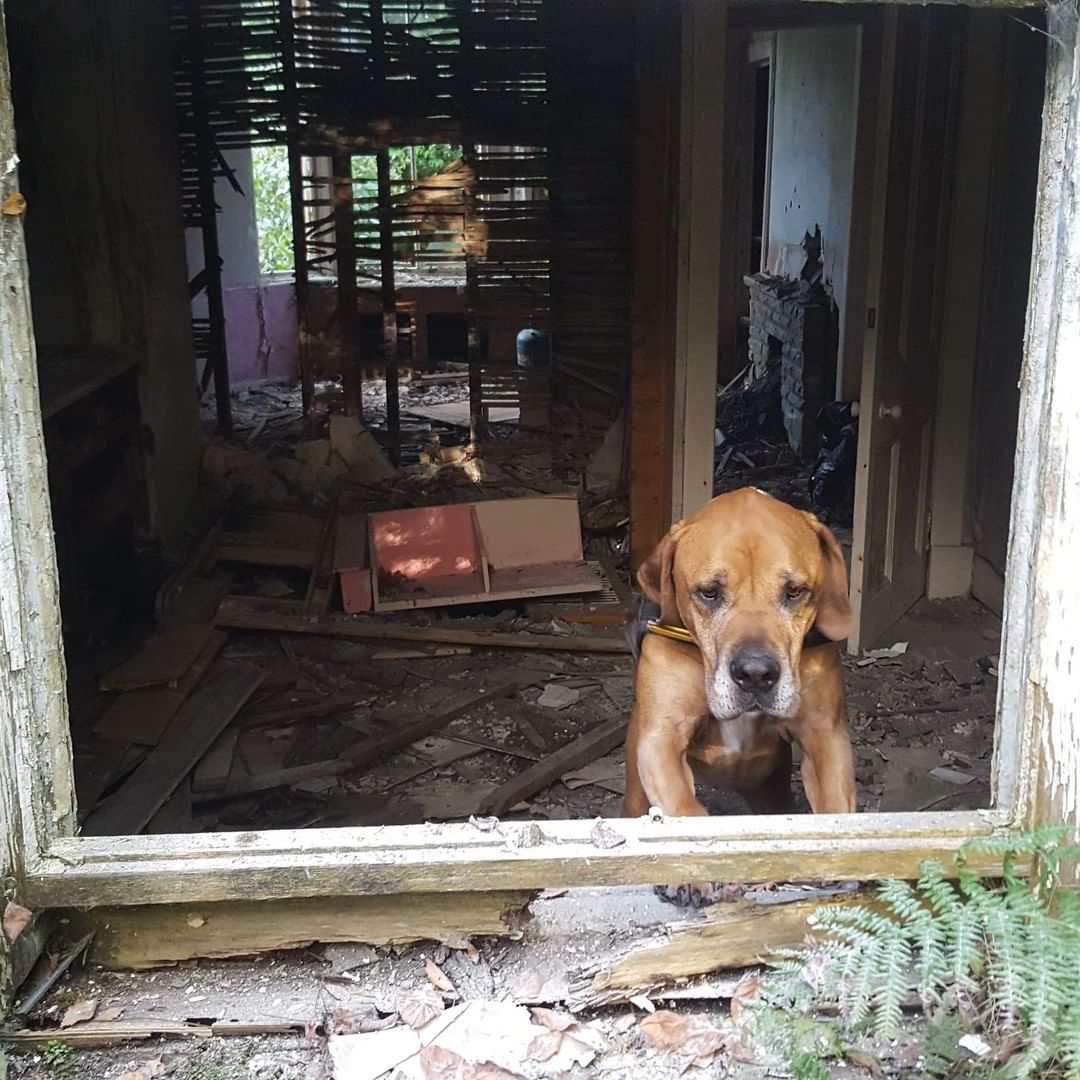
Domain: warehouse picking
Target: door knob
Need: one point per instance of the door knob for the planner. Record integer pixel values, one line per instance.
(890, 412)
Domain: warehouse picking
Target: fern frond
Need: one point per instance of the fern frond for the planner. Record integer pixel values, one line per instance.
(893, 965)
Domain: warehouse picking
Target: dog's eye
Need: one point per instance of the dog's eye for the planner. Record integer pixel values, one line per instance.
(794, 594)
(709, 593)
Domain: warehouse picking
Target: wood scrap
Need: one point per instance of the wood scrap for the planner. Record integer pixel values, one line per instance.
(120, 1031)
(200, 720)
(141, 716)
(286, 777)
(601, 740)
(454, 705)
(235, 616)
(134, 938)
(727, 935)
(162, 660)
(175, 813)
(307, 711)
(212, 771)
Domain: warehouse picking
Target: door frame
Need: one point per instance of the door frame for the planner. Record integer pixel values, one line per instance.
(1038, 748)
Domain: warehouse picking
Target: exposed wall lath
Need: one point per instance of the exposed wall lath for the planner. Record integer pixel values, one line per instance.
(524, 86)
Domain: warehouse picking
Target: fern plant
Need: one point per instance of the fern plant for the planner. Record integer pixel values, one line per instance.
(999, 958)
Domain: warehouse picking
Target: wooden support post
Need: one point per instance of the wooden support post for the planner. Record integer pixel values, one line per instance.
(36, 792)
(352, 374)
(476, 384)
(1038, 703)
(204, 156)
(652, 363)
(389, 302)
(296, 203)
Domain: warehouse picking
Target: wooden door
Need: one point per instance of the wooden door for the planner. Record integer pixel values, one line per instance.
(899, 381)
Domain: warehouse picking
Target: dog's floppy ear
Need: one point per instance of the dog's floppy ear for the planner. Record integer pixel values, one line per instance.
(655, 576)
(833, 610)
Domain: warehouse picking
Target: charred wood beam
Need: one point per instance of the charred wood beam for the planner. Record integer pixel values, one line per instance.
(205, 152)
(352, 375)
(389, 302)
(296, 203)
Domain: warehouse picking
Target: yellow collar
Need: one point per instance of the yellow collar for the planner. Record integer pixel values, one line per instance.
(676, 633)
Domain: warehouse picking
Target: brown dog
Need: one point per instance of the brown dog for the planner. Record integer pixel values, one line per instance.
(762, 590)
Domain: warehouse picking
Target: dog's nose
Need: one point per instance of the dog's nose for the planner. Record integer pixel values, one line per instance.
(754, 669)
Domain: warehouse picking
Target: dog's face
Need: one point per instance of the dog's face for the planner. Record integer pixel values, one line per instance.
(749, 576)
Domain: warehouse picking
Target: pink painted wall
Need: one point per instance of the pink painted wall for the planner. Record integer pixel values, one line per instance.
(260, 332)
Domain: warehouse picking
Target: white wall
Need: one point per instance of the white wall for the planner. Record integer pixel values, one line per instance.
(813, 151)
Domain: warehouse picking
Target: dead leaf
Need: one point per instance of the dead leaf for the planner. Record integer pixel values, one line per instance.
(641, 1002)
(80, 1012)
(544, 1047)
(437, 977)
(749, 990)
(553, 1019)
(692, 1036)
(347, 1023)
(864, 1061)
(311, 1030)
(107, 1016)
(16, 920)
(418, 1007)
(157, 1067)
(473, 953)
(664, 1029)
(133, 1076)
(439, 1063)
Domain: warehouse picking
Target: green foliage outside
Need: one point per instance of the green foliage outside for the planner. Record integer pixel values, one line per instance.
(270, 167)
(996, 961)
(273, 210)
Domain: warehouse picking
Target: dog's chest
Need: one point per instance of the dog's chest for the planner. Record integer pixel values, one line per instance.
(718, 741)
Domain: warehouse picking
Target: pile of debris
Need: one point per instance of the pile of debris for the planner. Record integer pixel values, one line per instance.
(307, 666)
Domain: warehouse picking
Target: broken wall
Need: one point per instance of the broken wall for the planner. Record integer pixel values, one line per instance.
(98, 147)
(260, 312)
(813, 151)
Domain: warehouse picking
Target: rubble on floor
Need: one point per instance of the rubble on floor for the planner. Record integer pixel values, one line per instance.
(523, 1005)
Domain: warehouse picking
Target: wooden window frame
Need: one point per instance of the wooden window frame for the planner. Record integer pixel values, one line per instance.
(1038, 745)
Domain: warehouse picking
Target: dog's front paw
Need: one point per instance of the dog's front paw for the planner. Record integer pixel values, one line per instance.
(700, 894)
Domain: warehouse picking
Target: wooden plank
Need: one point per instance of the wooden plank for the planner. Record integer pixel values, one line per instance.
(455, 705)
(194, 728)
(175, 813)
(146, 937)
(1038, 758)
(350, 543)
(508, 584)
(121, 1031)
(162, 660)
(279, 778)
(234, 616)
(212, 771)
(463, 857)
(727, 935)
(308, 711)
(545, 772)
(142, 716)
